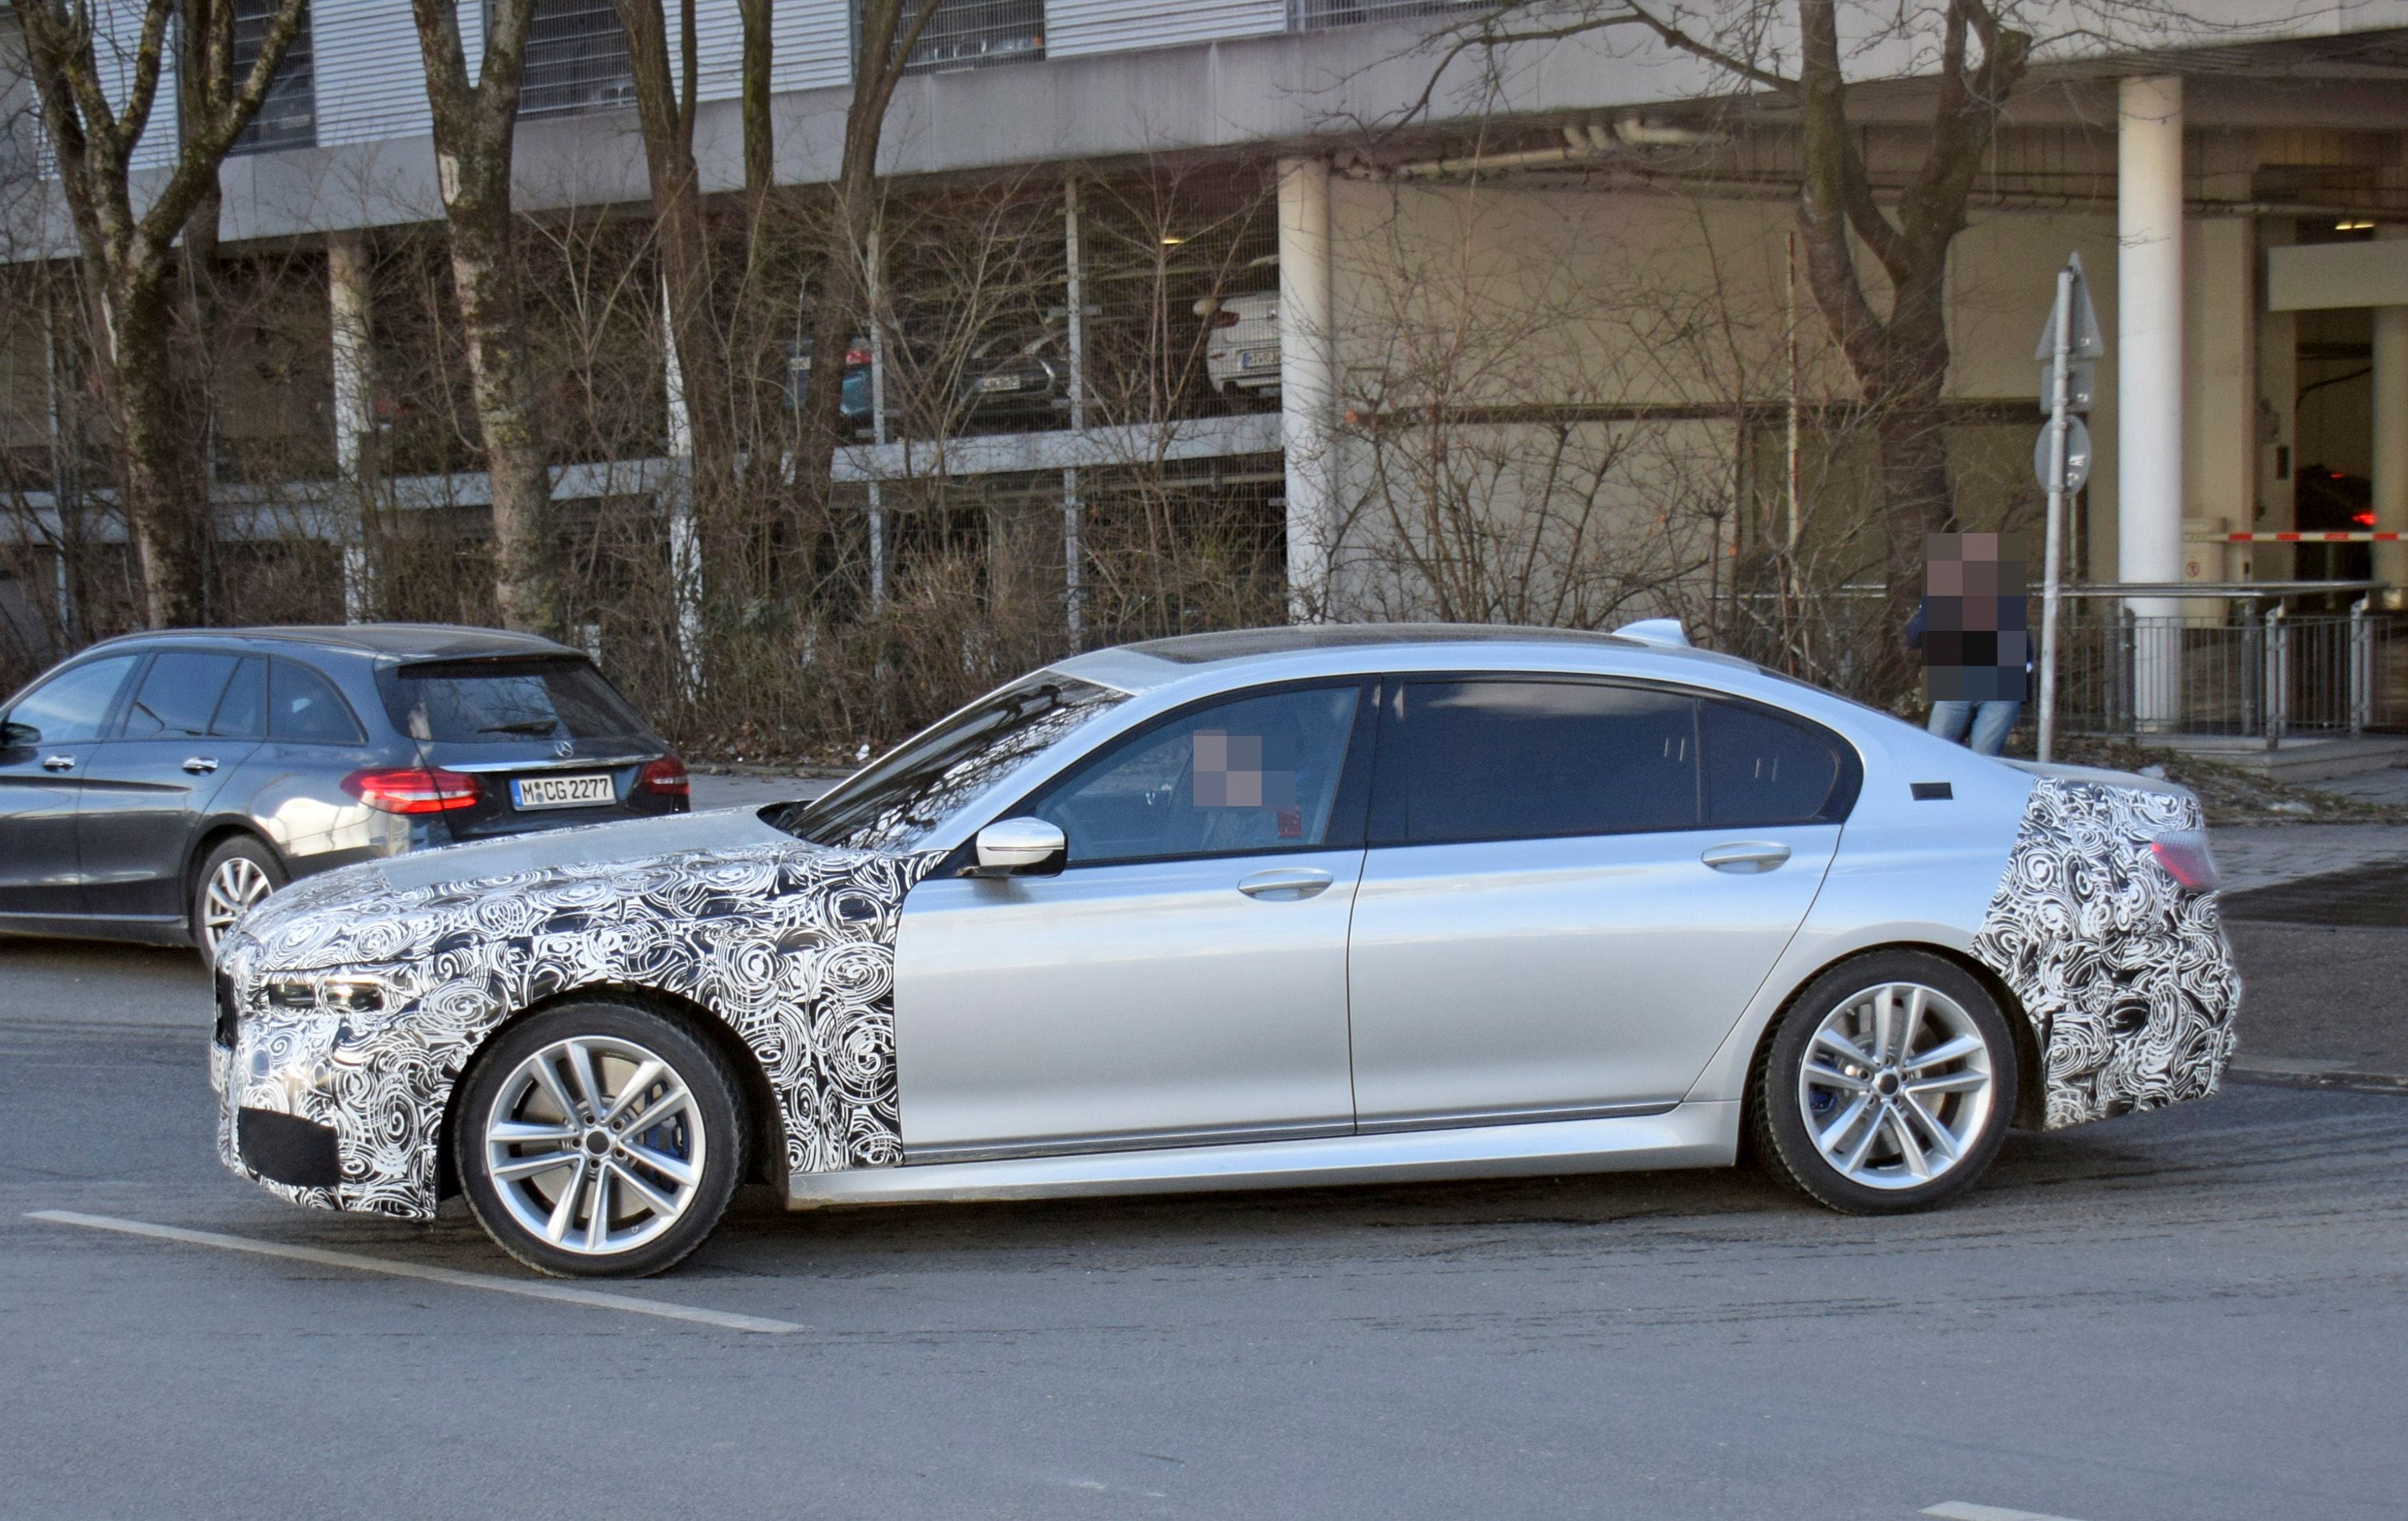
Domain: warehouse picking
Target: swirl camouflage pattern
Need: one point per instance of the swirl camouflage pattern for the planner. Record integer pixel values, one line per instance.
(791, 944)
(2127, 978)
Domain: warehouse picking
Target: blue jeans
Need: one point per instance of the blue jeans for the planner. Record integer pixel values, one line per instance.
(1991, 723)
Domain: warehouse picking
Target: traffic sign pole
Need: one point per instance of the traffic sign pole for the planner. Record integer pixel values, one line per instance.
(2069, 351)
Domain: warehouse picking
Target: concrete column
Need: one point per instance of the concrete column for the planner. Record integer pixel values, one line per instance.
(2149, 370)
(1308, 385)
(354, 387)
(2391, 436)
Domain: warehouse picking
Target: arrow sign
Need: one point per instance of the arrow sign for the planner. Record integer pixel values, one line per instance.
(2085, 341)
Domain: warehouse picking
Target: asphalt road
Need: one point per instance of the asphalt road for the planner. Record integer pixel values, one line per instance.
(2196, 1313)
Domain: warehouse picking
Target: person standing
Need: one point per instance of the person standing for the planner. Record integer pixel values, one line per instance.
(1973, 630)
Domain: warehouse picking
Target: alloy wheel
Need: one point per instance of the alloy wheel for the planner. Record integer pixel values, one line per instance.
(1895, 1086)
(595, 1145)
(234, 889)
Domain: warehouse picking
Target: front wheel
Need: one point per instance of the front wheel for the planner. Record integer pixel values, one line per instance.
(1888, 1085)
(599, 1138)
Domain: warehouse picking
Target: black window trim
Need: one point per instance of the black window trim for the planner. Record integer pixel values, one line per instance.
(1386, 825)
(1348, 810)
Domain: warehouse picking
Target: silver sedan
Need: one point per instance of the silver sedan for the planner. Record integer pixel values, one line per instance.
(1235, 910)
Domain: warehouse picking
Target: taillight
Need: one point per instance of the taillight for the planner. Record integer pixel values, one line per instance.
(666, 775)
(1225, 318)
(2186, 860)
(414, 790)
(856, 356)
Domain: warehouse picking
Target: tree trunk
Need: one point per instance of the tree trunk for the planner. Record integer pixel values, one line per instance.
(760, 144)
(154, 454)
(664, 106)
(474, 128)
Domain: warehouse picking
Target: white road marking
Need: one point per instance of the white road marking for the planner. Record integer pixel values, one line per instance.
(529, 1288)
(1959, 1510)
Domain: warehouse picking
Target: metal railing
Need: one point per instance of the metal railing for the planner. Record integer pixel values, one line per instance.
(2256, 673)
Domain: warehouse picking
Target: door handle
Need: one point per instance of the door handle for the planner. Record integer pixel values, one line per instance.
(1286, 883)
(1747, 857)
(199, 764)
(58, 763)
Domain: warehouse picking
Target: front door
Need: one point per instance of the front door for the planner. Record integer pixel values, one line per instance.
(48, 740)
(195, 717)
(1573, 891)
(1183, 981)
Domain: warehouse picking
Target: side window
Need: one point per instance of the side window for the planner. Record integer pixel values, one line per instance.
(242, 712)
(304, 707)
(1536, 759)
(1254, 774)
(179, 692)
(71, 705)
(1762, 768)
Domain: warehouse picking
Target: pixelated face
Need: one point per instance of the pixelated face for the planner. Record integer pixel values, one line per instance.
(1244, 770)
(1975, 628)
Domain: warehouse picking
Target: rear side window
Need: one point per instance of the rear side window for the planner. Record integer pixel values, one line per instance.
(304, 707)
(506, 701)
(178, 695)
(1532, 760)
(1763, 769)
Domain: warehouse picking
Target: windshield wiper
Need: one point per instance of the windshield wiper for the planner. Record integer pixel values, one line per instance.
(538, 727)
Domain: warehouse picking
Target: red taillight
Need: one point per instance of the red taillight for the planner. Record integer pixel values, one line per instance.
(2363, 519)
(414, 790)
(666, 775)
(856, 356)
(2186, 861)
(1225, 318)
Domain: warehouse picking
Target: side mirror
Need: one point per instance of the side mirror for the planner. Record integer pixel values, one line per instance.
(1021, 848)
(16, 736)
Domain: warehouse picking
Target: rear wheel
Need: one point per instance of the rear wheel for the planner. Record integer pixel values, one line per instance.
(1888, 1085)
(232, 880)
(599, 1138)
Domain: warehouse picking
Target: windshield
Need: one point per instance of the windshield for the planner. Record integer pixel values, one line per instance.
(499, 701)
(893, 803)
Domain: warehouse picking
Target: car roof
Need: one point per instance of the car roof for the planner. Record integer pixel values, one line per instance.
(1264, 653)
(396, 641)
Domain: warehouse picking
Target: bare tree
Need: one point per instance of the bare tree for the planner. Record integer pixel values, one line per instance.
(129, 256)
(1899, 351)
(888, 31)
(664, 106)
(475, 129)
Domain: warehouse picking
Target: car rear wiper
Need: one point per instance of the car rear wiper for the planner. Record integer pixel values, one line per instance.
(530, 725)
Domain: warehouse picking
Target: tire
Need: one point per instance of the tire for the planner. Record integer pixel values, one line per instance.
(657, 1204)
(232, 877)
(1922, 1124)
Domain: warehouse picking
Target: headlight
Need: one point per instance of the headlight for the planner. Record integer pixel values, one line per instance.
(336, 995)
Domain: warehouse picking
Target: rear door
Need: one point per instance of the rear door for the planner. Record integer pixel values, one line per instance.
(49, 736)
(548, 739)
(1573, 889)
(191, 719)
